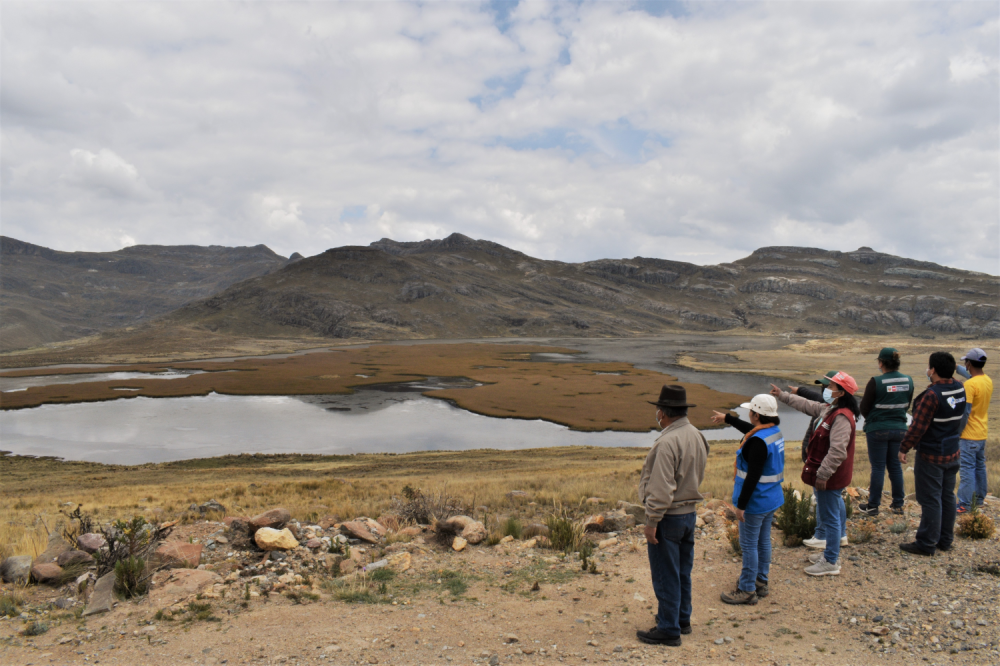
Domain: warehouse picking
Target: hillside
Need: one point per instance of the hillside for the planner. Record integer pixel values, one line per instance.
(458, 287)
(48, 296)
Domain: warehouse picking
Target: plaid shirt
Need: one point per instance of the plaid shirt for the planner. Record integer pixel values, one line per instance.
(923, 412)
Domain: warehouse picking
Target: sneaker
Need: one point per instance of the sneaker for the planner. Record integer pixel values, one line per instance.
(867, 510)
(817, 544)
(817, 557)
(823, 568)
(898, 510)
(914, 549)
(762, 588)
(685, 629)
(656, 636)
(738, 597)
(961, 510)
(843, 541)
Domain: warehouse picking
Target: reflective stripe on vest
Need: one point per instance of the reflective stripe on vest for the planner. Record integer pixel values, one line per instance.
(764, 479)
(900, 406)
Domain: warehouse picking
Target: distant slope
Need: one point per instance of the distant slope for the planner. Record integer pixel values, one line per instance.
(48, 296)
(458, 287)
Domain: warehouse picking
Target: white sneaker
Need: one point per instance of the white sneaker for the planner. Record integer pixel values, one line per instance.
(818, 544)
(823, 568)
(817, 557)
(843, 541)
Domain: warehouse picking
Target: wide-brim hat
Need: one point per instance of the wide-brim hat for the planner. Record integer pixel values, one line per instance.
(672, 396)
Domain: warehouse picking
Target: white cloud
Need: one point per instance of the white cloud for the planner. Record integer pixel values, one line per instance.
(569, 131)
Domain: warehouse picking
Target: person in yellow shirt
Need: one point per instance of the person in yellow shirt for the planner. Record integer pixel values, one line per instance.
(978, 392)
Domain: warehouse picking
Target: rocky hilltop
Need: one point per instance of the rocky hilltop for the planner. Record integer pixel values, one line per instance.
(459, 287)
(48, 296)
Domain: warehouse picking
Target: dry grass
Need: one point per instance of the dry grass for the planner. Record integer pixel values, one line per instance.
(572, 394)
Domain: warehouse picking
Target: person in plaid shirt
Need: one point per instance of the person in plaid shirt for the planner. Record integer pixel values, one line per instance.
(934, 433)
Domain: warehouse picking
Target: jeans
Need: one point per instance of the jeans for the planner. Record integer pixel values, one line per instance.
(819, 521)
(670, 563)
(755, 541)
(883, 453)
(936, 496)
(830, 505)
(973, 472)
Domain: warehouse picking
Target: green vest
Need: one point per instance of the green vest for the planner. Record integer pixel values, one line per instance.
(893, 392)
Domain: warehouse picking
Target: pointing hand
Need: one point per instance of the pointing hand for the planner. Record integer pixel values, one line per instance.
(718, 417)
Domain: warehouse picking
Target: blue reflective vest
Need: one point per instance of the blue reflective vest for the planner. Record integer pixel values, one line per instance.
(767, 496)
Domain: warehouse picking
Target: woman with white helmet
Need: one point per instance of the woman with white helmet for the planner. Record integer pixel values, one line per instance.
(757, 494)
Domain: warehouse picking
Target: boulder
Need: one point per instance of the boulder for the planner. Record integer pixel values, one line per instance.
(347, 566)
(637, 511)
(178, 554)
(210, 505)
(274, 519)
(360, 530)
(175, 585)
(618, 520)
(272, 539)
(709, 518)
(46, 573)
(74, 557)
(460, 522)
(411, 531)
(594, 523)
(459, 544)
(56, 547)
(243, 521)
(607, 543)
(474, 532)
(90, 542)
(400, 562)
(103, 597)
(16, 569)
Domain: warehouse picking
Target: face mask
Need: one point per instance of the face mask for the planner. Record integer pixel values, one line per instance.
(828, 396)
(928, 373)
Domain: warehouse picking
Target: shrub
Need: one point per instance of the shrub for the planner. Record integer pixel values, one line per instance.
(383, 574)
(975, 524)
(795, 518)
(454, 582)
(733, 534)
(512, 527)
(848, 505)
(9, 603)
(130, 580)
(36, 629)
(79, 524)
(564, 534)
(899, 527)
(862, 531)
(416, 507)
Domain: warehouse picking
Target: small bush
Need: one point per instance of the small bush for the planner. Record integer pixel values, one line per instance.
(512, 527)
(35, 629)
(899, 527)
(454, 582)
(862, 531)
(564, 534)
(383, 574)
(416, 507)
(795, 518)
(733, 535)
(130, 580)
(9, 603)
(202, 612)
(975, 524)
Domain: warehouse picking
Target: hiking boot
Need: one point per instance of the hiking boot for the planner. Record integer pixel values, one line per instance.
(685, 629)
(738, 597)
(657, 636)
(944, 549)
(914, 549)
(898, 510)
(867, 510)
(823, 568)
(762, 589)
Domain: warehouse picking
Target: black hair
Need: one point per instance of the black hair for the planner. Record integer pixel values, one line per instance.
(674, 412)
(848, 401)
(943, 364)
(892, 364)
(976, 364)
(768, 420)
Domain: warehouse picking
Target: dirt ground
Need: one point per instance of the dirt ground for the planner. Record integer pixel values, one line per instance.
(885, 607)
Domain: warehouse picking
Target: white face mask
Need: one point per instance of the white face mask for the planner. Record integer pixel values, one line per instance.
(828, 396)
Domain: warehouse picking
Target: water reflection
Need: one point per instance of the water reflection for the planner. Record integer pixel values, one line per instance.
(14, 384)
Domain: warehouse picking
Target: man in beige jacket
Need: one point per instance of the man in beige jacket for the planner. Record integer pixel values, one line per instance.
(668, 489)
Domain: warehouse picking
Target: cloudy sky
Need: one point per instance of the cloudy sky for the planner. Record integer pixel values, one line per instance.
(573, 131)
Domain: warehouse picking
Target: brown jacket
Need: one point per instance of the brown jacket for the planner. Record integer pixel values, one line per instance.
(673, 471)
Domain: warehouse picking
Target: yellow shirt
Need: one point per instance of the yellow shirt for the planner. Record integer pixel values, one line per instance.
(978, 392)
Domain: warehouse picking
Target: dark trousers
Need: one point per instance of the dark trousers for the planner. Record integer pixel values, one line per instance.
(883, 454)
(936, 496)
(670, 563)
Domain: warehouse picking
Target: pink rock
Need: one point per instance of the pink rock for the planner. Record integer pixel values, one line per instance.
(46, 573)
(73, 557)
(358, 530)
(179, 584)
(179, 554)
(274, 518)
(90, 543)
(314, 544)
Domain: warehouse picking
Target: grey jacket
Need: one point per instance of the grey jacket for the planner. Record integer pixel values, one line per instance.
(840, 433)
(673, 471)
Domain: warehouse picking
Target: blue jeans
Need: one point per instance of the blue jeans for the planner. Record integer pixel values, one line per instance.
(972, 478)
(883, 454)
(670, 563)
(755, 541)
(819, 521)
(830, 505)
(936, 496)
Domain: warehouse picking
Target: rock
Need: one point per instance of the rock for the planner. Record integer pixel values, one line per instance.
(637, 511)
(719, 641)
(618, 521)
(64, 602)
(400, 562)
(510, 638)
(274, 519)
(411, 531)
(459, 544)
(359, 530)
(332, 561)
(507, 539)
(535, 530)
(715, 504)
(56, 547)
(593, 523)
(178, 554)
(74, 557)
(709, 518)
(272, 539)
(729, 513)
(90, 542)
(516, 494)
(238, 526)
(595, 500)
(459, 523)
(347, 566)
(103, 596)
(210, 505)
(474, 532)
(607, 543)
(494, 660)
(46, 573)
(530, 543)
(313, 544)
(699, 522)
(16, 569)
(175, 585)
